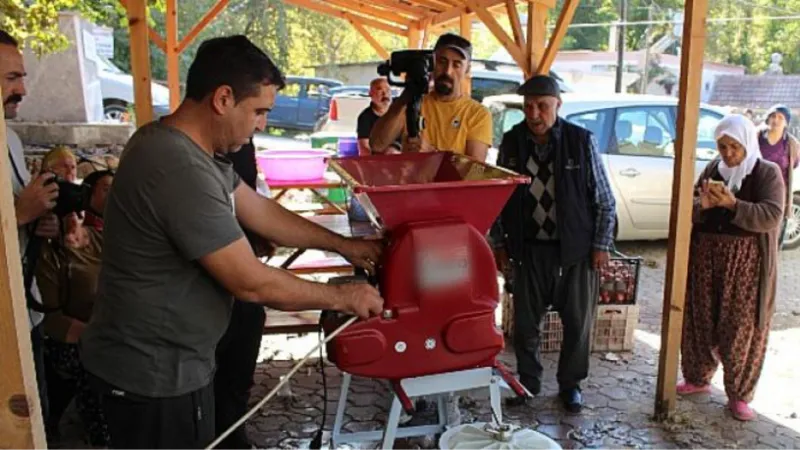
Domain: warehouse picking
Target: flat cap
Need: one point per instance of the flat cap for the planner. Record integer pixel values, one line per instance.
(540, 85)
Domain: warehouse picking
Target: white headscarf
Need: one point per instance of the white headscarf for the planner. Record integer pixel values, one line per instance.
(742, 130)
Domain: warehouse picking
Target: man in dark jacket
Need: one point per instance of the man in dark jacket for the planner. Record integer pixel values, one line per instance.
(553, 235)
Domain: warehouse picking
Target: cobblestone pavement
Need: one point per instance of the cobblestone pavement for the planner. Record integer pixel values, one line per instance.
(619, 393)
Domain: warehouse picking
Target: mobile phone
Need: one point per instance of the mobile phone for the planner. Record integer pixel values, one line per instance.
(716, 184)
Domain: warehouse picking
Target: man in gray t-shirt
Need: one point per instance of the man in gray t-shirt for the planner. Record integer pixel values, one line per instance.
(175, 256)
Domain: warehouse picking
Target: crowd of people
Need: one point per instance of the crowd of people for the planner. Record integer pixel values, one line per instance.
(147, 306)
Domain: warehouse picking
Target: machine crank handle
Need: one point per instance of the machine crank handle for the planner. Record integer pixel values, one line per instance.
(405, 401)
(512, 382)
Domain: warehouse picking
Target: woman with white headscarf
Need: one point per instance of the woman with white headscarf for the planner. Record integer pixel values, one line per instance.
(738, 208)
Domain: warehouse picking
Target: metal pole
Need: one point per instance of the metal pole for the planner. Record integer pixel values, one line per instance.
(621, 43)
(646, 69)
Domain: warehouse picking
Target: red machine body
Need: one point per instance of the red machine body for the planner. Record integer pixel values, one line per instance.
(438, 277)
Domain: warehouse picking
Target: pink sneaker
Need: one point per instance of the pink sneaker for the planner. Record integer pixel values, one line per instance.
(741, 411)
(687, 388)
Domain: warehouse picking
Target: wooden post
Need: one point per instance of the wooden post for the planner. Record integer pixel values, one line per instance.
(499, 33)
(21, 424)
(537, 34)
(173, 67)
(564, 19)
(414, 41)
(680, 223)
(465, 28)
(426, 29)
(140, 60)
(516, 26)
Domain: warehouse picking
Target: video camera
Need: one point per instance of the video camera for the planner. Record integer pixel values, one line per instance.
(72, 198)
(417, 66)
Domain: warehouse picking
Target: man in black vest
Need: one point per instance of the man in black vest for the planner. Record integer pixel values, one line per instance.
(553, 235)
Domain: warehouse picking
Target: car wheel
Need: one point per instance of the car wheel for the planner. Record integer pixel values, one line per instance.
(792, 236)
(115, 110)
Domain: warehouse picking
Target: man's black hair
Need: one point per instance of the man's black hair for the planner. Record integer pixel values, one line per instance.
(7, 39)
(231, 61)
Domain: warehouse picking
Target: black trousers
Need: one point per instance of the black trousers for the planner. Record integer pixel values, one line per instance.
(185, 421)
(540, 282)
(37, 347)
(237, 353)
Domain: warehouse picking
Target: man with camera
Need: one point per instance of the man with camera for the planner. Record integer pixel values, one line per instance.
(452, 120)
(33, 199)
(175, 255)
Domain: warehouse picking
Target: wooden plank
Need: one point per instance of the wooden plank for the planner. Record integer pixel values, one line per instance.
(140, 61)
(433, 5)
(564, 19)
(173, 68)
(368, 10)
(491, 23)
(155, 38)
(210, 15)
(680, 223)
(516, 26)
(465, 28)
(403, 8)
(324, 8)
(21, 424)
(537, 33)
(382, 53)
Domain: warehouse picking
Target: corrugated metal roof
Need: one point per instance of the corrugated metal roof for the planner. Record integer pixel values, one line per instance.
(756, 91)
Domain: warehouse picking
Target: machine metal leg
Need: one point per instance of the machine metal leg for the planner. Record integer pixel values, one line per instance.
(391, 424)
(340, 406)
(495, 399)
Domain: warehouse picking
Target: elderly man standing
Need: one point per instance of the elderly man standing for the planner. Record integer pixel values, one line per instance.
(553, 235)
(381, 95)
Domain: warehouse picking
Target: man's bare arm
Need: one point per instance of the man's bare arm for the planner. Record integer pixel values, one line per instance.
(477, 150)
(270, 220)
(237, 269)
(388, 128)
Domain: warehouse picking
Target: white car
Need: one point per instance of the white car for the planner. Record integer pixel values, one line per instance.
(636, 135)
(117, 89)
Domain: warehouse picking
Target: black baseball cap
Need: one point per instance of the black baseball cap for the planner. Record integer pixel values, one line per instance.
(454, 42)
(540, 85)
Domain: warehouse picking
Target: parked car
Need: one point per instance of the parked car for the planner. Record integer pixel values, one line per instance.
(302, 102)
(116, 87)
(348, 104)
(636, 135)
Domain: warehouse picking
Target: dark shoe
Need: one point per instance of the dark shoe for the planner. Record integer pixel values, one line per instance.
(572, 400)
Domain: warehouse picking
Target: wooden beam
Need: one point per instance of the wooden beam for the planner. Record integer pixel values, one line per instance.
(513, 49)
(516, 26)
(433, 5)
(680, 223)
(453, 14)
(324, 8)
(201, 25)
(140, 61)
(496, 7)
(465, 29)
(155, 38)
(382, 53)
(173, 67)
(537, 34)
(368, 10)
(564, 19)
(21, 424)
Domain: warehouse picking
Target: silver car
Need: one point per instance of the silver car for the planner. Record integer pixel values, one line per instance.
(636, 135)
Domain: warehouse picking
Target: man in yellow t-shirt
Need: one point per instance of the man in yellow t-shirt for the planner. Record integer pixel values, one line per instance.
(453, 121)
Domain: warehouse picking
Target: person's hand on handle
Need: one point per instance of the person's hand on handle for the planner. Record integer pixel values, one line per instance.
(359, 299)
(36, 199)
(600, 259)
(418, 145)
(363, 253)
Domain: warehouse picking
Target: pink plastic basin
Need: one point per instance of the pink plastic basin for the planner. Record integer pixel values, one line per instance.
(293, 165)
